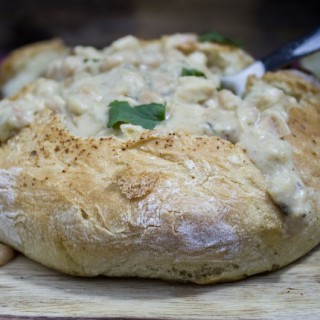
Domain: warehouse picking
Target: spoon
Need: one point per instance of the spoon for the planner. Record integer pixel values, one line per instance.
(277, 59)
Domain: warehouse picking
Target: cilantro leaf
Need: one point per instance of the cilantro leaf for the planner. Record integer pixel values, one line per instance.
(192, 72)
(90, 59)
(219, 38)
(145, 115)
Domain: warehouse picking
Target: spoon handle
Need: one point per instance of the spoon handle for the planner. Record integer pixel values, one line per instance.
(293, 51)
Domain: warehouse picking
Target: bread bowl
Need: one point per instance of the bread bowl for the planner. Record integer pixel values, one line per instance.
(219, 189)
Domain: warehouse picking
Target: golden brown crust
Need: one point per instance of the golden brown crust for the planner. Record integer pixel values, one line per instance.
(27, 63)
(168, 206)
(17, 60)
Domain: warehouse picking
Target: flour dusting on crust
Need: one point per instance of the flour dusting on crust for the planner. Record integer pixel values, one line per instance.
(7, 198)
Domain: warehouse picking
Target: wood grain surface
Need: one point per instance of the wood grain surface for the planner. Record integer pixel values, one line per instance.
(31, 291)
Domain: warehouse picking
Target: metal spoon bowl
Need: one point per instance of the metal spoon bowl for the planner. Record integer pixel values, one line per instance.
(277, 59)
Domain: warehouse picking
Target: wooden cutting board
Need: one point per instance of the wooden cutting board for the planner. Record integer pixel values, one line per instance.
(29, 290)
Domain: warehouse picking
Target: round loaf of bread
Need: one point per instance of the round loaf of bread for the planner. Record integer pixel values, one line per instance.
(220, 189)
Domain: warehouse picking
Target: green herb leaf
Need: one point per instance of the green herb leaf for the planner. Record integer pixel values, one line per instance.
(192, 72)
(92, 59)
(145, 115)
(219, 38)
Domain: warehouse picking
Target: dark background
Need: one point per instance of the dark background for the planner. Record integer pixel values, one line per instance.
(260, 25)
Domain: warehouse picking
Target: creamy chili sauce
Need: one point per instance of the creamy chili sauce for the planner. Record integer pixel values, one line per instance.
(82, 85)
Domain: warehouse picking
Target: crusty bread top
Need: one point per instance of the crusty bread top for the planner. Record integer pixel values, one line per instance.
(26, 64)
